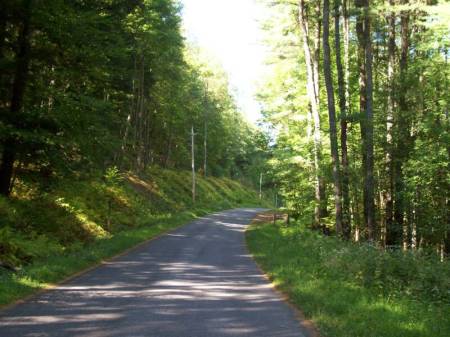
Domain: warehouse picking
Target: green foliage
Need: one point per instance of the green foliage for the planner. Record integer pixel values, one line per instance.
(113, 176)
(355, 290)
(410, 119)
(112, 84)
(10, 251)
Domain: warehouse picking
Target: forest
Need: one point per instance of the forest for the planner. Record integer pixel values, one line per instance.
(358, 99)
(115, 128)
(97, 84)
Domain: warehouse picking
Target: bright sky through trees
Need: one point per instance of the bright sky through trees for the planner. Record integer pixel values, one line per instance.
(229, 30)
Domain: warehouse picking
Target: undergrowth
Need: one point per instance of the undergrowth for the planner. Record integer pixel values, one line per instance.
(353, 290)
(48, 234)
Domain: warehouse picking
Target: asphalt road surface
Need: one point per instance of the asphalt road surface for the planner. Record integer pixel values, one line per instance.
(195, 281)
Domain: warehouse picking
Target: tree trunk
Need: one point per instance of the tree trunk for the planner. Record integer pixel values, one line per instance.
(332, 115)
(403, 124)
(131, 117)
(322, 208)
(392, 234)
(18, 90)
(169, 149)
(343, 116)
(3, 21)
(362, 93)
(447, 198)
(346, 29)
(140, 121)
(365, 65)
(369, 177)
(312, 87)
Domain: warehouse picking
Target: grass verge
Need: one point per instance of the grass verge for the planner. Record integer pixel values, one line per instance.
(330, 281)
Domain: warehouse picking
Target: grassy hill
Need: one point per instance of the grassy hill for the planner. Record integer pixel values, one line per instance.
(47, 236)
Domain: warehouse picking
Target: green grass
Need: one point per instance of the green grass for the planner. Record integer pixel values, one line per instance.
(353, 290)
(78, 223)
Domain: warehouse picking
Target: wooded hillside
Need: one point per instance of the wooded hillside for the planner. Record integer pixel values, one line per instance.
(86, 86)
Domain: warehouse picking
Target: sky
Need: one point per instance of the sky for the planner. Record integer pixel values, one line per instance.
(230, 31)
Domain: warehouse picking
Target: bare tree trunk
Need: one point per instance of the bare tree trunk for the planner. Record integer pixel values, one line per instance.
(312, 87)
(4, 14)
(447, 197)
(169, 149)
(369, 127)
(18, 90)
(403, 123)
(323, 212)
(332, 116)
(148, 153)
(131, 115)
(345, 161)
(140, 117)
(366, 89)
(391, 233)
(346, 29)
(343, 115)
(316, 52)
(3, 21)
(415, 218)
(362, 93)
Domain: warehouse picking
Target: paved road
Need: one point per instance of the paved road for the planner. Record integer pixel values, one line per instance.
(196, 281)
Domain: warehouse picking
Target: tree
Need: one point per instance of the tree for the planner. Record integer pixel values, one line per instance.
(343, 95)
(112, 83)
(312, 84)
(332, 116)
(392, 124)
(18, 89)
(366, 110)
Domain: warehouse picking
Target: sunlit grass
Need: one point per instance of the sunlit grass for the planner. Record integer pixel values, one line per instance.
(309, 269)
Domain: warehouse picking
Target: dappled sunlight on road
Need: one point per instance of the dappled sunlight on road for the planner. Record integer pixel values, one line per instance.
(196, 281)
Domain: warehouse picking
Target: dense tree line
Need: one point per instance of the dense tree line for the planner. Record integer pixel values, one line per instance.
(87, 85)
(358, 99)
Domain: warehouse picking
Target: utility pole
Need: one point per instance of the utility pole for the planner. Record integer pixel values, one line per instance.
(204, 146)
(205, 130)
(193, 163)
(260, 185)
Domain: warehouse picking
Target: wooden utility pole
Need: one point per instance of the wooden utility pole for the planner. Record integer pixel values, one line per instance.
(193, 162)
(205, 146)
(260, 185)
(205, 130)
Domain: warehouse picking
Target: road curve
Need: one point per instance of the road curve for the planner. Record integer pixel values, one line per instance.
(195, 281)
